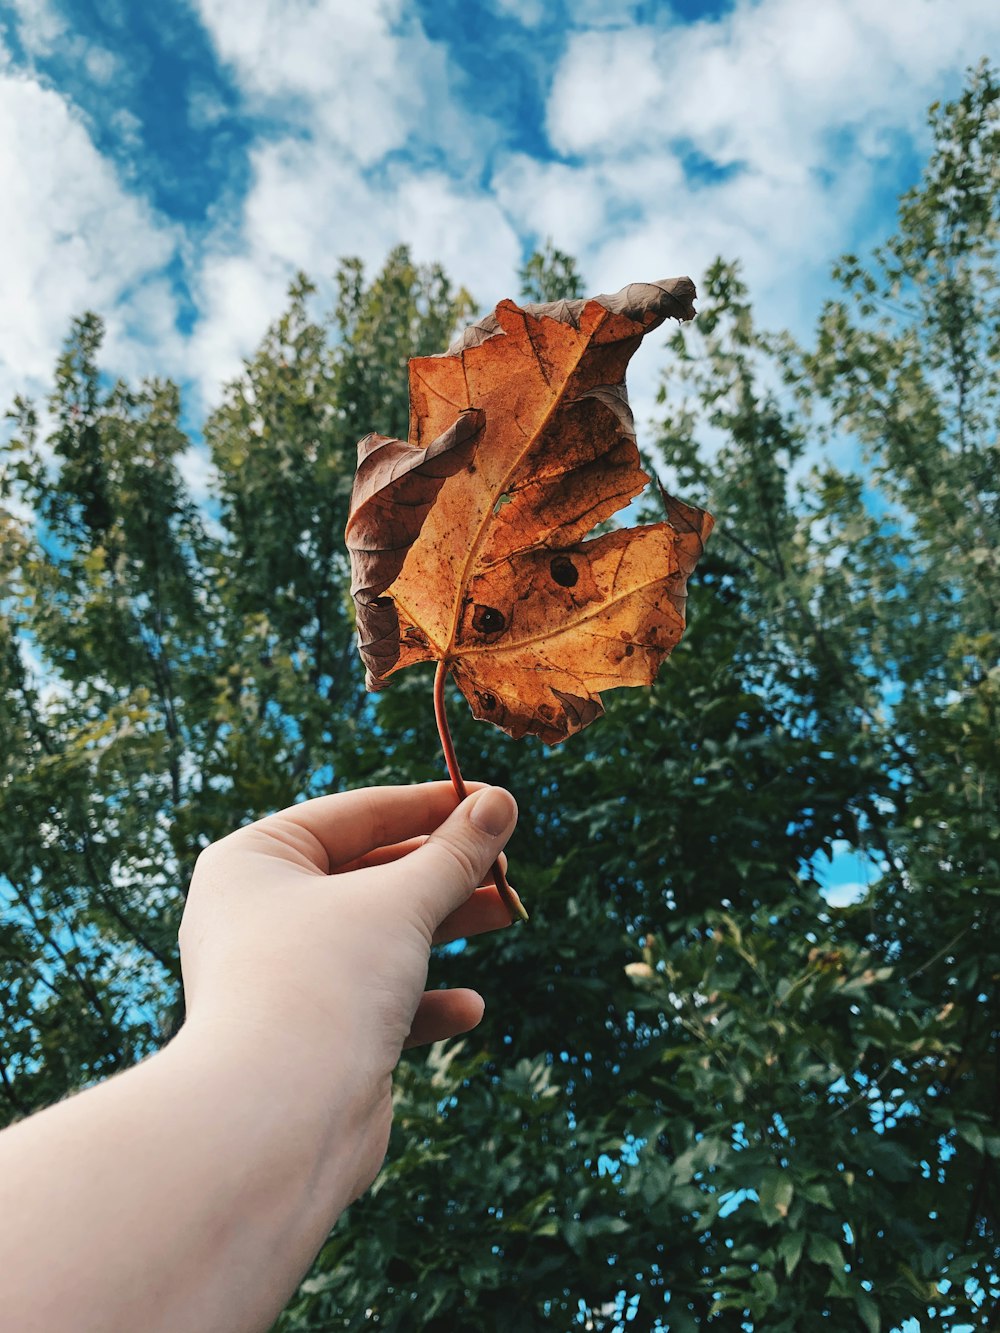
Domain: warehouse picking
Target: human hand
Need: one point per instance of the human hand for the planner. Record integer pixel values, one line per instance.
(306, 937)
(194, 1190)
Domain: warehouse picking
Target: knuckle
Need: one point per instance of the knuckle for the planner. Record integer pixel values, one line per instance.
(213, 856)
(206, 858)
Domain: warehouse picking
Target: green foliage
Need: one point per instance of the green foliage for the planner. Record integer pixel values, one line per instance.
(191, 673)
(550, 275)
(701, 1096)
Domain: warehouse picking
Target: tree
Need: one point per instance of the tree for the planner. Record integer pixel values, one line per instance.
(702, 1096)
(104, 592)
(166, 677)
(909, 363)
(550, 274)
(757, 1124)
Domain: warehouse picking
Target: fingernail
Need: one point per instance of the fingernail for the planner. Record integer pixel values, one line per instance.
(493, 811)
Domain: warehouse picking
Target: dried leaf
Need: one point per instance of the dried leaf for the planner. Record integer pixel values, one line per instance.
(467, 543)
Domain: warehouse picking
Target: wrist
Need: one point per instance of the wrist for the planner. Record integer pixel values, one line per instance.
(299, 1098)
(192, 1191)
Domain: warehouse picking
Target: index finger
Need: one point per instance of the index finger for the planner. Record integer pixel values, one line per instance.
(349, 824)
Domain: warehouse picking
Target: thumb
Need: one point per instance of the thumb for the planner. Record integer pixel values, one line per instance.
(453, 862)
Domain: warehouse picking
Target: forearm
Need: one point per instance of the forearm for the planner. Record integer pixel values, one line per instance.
(190, 1193)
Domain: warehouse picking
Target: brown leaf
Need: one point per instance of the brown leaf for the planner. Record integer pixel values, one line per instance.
(467, 544)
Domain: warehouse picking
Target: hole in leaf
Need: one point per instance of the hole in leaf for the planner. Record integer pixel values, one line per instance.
(503, 500)
(488, 702)
(488, 620)
(564, 571)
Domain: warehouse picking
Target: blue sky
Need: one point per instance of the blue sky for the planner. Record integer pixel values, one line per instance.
(172, 165)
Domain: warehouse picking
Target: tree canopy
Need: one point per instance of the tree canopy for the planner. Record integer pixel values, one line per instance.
(702, 1095)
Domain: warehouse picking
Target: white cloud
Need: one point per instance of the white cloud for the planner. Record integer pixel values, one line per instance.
(767, 83)
(579, 204)
(529, 13)
(205, 107)
(844, 895)
(805, 104)
(50, 689)
(365, 96)
(42, 32)
(307, 208)
(39, 27)
(239, 296)
(101, 65)
(73, 240)
(127, 127)
(351, 72)
(763, 135)
(197, 470)
(800, 108)
(142, 340)
(847, 875)
(368, 145)
(364, 78)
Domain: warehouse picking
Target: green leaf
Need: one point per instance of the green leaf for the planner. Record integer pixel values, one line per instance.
(790, 1247)
(765, 1292)
(775, 1193)
(823, 1250)
(868, 1312)
(816, 1192)
(888, 1158)
(973, 1135)
(167, 674)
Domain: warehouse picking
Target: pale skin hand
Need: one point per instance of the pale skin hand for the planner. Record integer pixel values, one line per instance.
(192, 1192)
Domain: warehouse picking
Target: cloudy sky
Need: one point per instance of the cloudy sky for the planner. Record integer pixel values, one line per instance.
(171, 165)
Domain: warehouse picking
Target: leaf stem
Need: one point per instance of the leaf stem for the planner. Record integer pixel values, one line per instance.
(510, 899)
